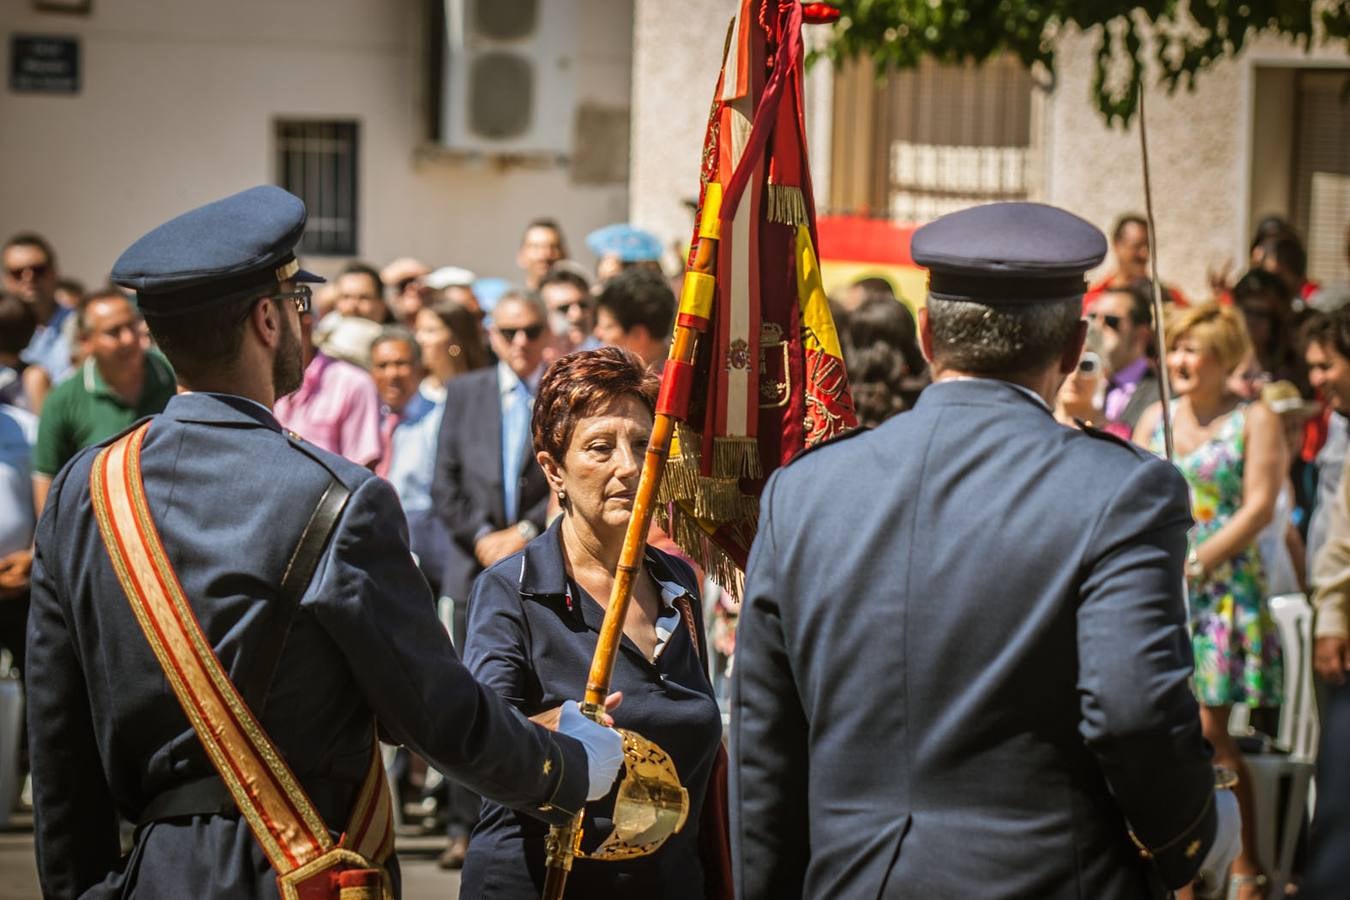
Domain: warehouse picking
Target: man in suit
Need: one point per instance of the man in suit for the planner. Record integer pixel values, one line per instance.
(320, 662)
(487, 487)
(962, 662)
(1125, 317)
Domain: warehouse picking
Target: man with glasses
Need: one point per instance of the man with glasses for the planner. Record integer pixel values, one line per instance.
(567, 294)
(324, 660)
(119, 382)
(30, 271)
(1124, 316)
(488, 489)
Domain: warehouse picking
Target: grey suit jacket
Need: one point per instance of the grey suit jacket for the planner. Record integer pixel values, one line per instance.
(962, 665)
(466, 489)
(230, 494)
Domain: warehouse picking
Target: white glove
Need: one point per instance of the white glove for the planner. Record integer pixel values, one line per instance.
(1227, 840)
(604, 748)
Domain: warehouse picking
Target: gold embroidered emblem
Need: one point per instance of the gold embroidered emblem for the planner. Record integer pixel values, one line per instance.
(1192, 849)
(548, 766)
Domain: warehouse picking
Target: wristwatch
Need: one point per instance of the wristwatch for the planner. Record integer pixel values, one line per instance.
(528, 530)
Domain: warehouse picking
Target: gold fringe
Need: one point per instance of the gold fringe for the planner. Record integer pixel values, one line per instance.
(685, 530)
(787, 205)
(690, 441)
(679, 480)
(736, 457)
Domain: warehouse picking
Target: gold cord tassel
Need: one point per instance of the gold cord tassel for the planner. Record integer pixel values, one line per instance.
(786, 205)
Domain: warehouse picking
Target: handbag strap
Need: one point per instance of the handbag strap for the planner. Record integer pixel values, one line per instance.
(281, 816)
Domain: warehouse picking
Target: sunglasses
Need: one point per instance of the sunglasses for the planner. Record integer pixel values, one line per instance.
(38, 271)
(1112, 322)
(532, 333)
(302, 297)
(567, 308)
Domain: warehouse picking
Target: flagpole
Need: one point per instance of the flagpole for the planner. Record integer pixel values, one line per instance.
(563, 840)
(1164, 381)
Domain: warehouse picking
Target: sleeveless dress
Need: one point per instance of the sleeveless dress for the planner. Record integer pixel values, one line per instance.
(1234, 638)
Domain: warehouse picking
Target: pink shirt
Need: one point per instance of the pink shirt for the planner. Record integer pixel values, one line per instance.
(336, 408)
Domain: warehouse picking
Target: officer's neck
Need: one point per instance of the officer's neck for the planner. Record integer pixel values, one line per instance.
(1044, 383)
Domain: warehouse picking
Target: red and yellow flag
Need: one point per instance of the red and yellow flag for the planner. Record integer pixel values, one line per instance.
(768, 378)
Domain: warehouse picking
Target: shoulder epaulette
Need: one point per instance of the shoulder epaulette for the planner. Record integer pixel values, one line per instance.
(830, 441)
(1088, 429)
(310, 450)
(124, 432)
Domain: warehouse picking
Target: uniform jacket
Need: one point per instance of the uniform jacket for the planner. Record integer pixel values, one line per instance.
(962, 665)
(466, 491)
(534, 648)
(231, 493)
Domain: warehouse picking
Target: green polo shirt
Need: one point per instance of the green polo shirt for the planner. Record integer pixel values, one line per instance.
(82, 410)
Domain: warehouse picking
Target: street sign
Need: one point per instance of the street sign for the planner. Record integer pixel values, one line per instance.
(44, 64)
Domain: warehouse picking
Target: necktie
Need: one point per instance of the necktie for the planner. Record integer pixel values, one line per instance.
(391, 422)
(515, 437)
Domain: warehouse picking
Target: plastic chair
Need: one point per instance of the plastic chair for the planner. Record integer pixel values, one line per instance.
(1281, 780)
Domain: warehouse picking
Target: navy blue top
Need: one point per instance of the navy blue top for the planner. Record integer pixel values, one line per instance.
(533, 647)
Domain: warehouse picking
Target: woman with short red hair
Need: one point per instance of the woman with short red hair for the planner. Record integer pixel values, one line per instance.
(534, 619)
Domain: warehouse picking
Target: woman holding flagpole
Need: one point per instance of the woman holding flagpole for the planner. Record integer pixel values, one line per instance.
(533, 624)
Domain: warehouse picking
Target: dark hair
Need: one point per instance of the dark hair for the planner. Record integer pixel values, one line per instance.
(1288, 252)
(579, 384)
(99, 296)
(1328, 329)
(559, 275)
(208, 341)
(881, 352)
(874, 286)
(464, 325)
(1258, 281)
(356, 267)
(70, 285)
(32, 239)
(640, 297)
(17, 323)
(1124, 222)
(391, 334)
(552, 225)
(1140, 292)
(1271, 227)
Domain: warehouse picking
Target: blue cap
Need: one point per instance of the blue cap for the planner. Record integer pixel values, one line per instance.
(629, 244)
(1008, 253)
(217, 252)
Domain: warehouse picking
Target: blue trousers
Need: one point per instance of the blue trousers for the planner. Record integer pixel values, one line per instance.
(1329, 861)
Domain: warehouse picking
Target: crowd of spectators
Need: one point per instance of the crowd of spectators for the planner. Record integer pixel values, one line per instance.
(428, 376)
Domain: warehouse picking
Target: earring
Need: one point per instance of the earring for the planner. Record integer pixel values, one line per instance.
(562, 496)
(455, 351)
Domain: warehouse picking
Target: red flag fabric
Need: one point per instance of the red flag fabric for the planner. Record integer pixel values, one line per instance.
(768, 377)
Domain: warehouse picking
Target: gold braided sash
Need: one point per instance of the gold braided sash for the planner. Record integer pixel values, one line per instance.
(292, 834)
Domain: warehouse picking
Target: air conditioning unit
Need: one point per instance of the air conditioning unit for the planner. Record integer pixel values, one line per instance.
(509, 83)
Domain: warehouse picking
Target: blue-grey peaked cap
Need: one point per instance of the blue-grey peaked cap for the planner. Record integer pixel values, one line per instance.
(1008, 253)
(217, 252)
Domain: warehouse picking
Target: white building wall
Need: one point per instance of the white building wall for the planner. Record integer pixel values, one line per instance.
(677, 48)
(1200, 150)
(177, 108)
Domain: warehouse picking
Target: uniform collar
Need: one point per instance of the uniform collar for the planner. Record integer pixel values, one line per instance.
(543, 576)
(984, 391)
(220, 409)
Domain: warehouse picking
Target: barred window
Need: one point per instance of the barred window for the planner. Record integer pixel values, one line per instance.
(317, 161)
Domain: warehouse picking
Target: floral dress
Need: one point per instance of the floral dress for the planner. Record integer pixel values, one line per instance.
(1236, 644)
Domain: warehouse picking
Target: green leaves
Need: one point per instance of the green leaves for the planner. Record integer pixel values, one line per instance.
(1188, 36)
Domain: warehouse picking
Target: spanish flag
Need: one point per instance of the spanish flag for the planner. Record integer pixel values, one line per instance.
(768, 378)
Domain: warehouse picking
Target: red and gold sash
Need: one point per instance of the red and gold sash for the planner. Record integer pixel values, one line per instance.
(292, 834)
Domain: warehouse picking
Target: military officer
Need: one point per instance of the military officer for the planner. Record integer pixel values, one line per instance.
(962, 658)
(318, 661)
